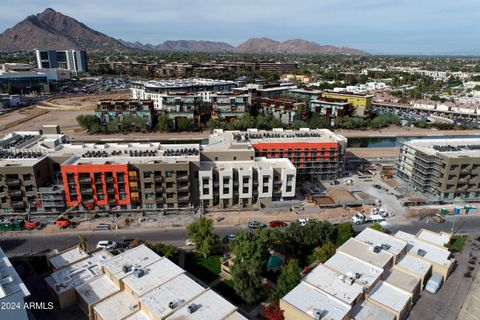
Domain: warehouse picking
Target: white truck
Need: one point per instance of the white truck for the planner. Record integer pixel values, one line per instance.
(360, 218)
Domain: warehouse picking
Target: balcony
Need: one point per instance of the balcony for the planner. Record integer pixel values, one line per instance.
(15, 193)
(108, 179)
(159, 200)
(182, 188)
(182, 178)
(18, 204)
(13, 182)
(112, 201)
(86, 191)
(110, 190)
(157, 178)
(85, 180)
(158, 189)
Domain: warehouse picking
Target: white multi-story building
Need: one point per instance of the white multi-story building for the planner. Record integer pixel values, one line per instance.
(12, 291)
(73, 60)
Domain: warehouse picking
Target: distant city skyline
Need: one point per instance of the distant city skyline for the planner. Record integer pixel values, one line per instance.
(375, 26)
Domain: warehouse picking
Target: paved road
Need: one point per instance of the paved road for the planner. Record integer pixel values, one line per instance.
(25, 243)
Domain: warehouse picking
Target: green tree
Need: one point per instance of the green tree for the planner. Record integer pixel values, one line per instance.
(214, 124)
(317, 121)
(163, 124)
(290, 276)
(113, 126)
(275, 123)
(344, 231)
(184, 124)
(252, 249)
(378, 227)
(165, 250)
(246, 281)
(201, 233)
(297, 124)
(83, 242)
(88, 122)
(324, 252)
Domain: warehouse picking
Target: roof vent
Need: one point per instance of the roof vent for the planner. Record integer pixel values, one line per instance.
(138, 272)
(319, 314)
(421, 252)
(192, 308)
(126, 268)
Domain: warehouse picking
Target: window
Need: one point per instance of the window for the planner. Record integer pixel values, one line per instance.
(226, 180)
(26, 177)
(148, 205)
(169, 184)
(169, 173)
(205, 181)
(148, 185)
(169, 195)
(289, 177)
(234, 158)
(28, 188)
(246, 180)
(265, 189)
(265, 179)
(216, 158)
(246, 189)
(147, 174)
(289, 189)
(206, 191)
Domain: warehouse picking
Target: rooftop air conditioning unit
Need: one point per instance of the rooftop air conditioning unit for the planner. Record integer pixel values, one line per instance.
(192, 308)
(125, 268)
(319, 314)
(172, 305)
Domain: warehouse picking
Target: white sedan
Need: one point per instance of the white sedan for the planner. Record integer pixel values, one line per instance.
(106, 244)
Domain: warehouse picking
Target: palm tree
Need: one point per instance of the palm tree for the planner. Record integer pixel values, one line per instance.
(83, 242)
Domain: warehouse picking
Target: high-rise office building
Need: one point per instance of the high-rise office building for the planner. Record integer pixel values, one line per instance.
(73, 60)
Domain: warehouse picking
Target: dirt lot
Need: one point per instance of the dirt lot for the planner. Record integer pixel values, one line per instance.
(83, 102)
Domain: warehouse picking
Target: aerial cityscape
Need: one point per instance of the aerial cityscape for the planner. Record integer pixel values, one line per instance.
(188, 160)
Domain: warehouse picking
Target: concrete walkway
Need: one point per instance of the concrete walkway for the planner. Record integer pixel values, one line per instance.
(471, 307)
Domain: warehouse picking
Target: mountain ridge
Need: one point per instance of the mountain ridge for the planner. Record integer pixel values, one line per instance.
(54, 30)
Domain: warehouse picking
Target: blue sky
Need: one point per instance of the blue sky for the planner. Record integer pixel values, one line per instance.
(377, 26)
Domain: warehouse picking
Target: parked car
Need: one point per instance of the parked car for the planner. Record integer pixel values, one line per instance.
(438, 218)
(127, 243)
(189, 243)
(277, 224)
(256, 224)
(107, 244)
(231, 237)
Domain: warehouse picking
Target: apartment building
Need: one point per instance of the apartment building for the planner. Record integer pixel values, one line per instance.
(245, 183)
(361, 103)
(155, 89)
(136, 284)
(371, 276)
(284, 109)
(445, 169)
(73, 60)
(41, 172)
(315, 153)
(109, 110)
(12, 291)
(330, 109)
(227, 106)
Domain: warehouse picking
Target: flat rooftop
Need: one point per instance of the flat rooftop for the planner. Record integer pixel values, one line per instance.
(307, 299)
(334, 284)
(71, 276)
(425, 250)
(452, 148)
(117, 306)
(389, 243)
(179, 290)
(370, 311)
(140, 257)
(389, 296)
(402, 280)
(440, 239)
(207, 306)
(414, 265)
(182, 83)
(364, 273)
(139, 315)
(261, 163)
(155, 275)
(96, 289)
(366, 253)
(11, 283)
(277, 135)
(67, 257)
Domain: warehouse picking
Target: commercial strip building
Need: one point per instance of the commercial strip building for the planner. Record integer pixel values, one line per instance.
(136, 284)
(372, 276)
(361, 103)
(12, 291)
(73, 60)
(42, 172)
(445, 169)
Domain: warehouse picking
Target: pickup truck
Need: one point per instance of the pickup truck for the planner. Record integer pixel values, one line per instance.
(360, 218)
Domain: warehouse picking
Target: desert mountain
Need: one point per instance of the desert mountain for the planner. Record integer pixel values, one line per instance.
(51, 29)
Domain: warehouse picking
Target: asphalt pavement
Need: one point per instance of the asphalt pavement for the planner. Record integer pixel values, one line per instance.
(26, 243)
